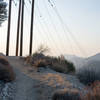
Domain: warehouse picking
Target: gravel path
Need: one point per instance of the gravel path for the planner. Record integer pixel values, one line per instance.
(23, 84)
(24, 87)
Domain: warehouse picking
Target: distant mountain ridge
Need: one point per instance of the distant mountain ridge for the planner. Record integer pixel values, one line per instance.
(94, 58)
(79, 61)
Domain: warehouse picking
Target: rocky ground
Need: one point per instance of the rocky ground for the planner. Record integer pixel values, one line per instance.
(6, 91)
(33, 85)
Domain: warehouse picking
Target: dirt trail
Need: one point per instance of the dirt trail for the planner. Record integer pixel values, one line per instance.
(24, 84)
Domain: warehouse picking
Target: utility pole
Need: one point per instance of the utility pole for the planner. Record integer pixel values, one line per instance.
(21, 36)
(9, 25)
(18, 28)
(31, 30)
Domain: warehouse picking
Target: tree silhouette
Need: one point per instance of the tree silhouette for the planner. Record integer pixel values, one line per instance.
(3, 11)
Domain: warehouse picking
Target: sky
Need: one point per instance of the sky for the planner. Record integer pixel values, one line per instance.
(52, 26)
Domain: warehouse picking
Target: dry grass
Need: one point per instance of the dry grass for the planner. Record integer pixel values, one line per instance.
(40, 63)
(6, 71)
(65, 94)
(62, 65)
(28, 59)
(74, 94)
(56, 63)
(59, 64)
(94, 93)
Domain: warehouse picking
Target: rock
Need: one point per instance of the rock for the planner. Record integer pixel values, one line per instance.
(7, 91)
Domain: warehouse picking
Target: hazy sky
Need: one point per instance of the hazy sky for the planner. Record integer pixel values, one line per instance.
(81, 16)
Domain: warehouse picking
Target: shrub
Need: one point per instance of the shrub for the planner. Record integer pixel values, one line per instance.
(71, 67)
(40, 63)
(38, 56)
(28, 59)
(88, 75)
(42, 49)
(94, 94)
(6, 71)
(3, 60)
(62, 65)
(66, 95)
(56, 63)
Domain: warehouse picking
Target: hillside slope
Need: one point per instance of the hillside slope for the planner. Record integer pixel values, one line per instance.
(33, 85)
(81, 62)
(94, 57)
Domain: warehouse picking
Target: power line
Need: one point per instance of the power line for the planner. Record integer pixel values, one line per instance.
(46, 30)
(45, 26)
(68, 30)
(53, 24)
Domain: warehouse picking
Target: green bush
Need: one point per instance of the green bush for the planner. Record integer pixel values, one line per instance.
(62, 66)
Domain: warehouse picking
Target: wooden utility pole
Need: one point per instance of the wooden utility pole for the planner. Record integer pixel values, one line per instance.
(8, 31)
(31, 30)
(18, 28)
(21, 36)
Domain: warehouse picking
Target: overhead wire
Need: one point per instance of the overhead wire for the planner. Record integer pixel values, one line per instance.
(52, 24)
(64, 25)
(40, 31)
(45, 27)
(54, 27)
